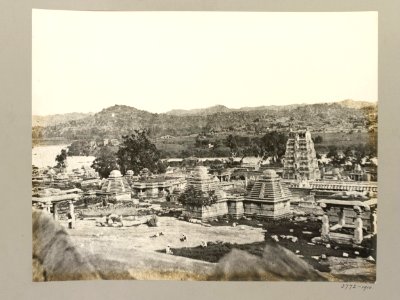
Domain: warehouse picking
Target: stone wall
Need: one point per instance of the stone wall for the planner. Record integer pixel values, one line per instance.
(264, 209)
(206, 212)
(235, 207)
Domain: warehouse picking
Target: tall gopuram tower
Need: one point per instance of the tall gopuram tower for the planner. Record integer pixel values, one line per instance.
(300, 158)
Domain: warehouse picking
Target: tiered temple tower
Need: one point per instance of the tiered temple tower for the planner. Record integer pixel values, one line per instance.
(117, 186)
(269, 197)
(300, 158)
(201, 180)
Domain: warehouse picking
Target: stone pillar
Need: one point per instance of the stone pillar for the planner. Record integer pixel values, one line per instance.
(358, 231)
(325, 228)
(55, 211)
(71, 215)
(47, 207)
(342, 218)
(374, 222)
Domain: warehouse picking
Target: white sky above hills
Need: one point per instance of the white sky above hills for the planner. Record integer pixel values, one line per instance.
(159, 61)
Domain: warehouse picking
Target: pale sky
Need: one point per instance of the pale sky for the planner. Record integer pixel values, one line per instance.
(158, 61)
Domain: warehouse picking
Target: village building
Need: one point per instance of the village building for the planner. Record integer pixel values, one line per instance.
(300, 160)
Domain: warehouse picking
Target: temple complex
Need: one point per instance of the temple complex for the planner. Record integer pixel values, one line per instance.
(300, 158)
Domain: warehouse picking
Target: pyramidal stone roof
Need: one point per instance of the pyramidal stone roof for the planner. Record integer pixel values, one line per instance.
(115, 184)
(269, 187)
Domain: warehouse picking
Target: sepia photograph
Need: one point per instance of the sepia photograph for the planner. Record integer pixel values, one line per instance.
(204, 146)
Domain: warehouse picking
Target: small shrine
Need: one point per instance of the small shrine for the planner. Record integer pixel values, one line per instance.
(116, 186)
(204, 198)
(201, 180)
(269, 197)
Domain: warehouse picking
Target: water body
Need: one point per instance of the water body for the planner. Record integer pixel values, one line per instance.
(44, 156)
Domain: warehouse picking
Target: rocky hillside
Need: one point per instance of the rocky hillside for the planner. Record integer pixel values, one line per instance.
(117, 120)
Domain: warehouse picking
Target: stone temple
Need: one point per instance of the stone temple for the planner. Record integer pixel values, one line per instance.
(117, 186)
(300, 158)
(268, 198)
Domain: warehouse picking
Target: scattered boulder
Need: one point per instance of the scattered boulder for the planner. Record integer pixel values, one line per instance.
(294, 239)
(328, 246)
(316, 240)
(291, 230)
(152, 221)
(277, 263)
(275, 238)
(370, 259)
(356, 253)
(345, 254)
(234, 224)
(323, 256)
(168, 250)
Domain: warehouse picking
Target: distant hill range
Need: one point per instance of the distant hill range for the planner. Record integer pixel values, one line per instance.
(57, 119)
(221, 108)
(114, 121)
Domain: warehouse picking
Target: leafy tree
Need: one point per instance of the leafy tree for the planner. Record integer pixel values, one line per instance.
(79, 148)
(318, 139)
(193, 197)
(232, 143)
(105, 162)
(61, 159)
(333, 152)
(137, 152)
(274, 144)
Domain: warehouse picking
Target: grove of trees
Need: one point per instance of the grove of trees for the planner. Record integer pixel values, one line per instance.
(61, 159)
(105, 162)
(137, 152)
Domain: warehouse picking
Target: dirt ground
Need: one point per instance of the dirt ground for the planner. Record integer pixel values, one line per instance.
(134, 247)
(131, 251)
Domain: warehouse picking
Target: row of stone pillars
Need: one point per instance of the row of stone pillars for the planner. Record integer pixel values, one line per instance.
(70, 214)
(358, 235)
